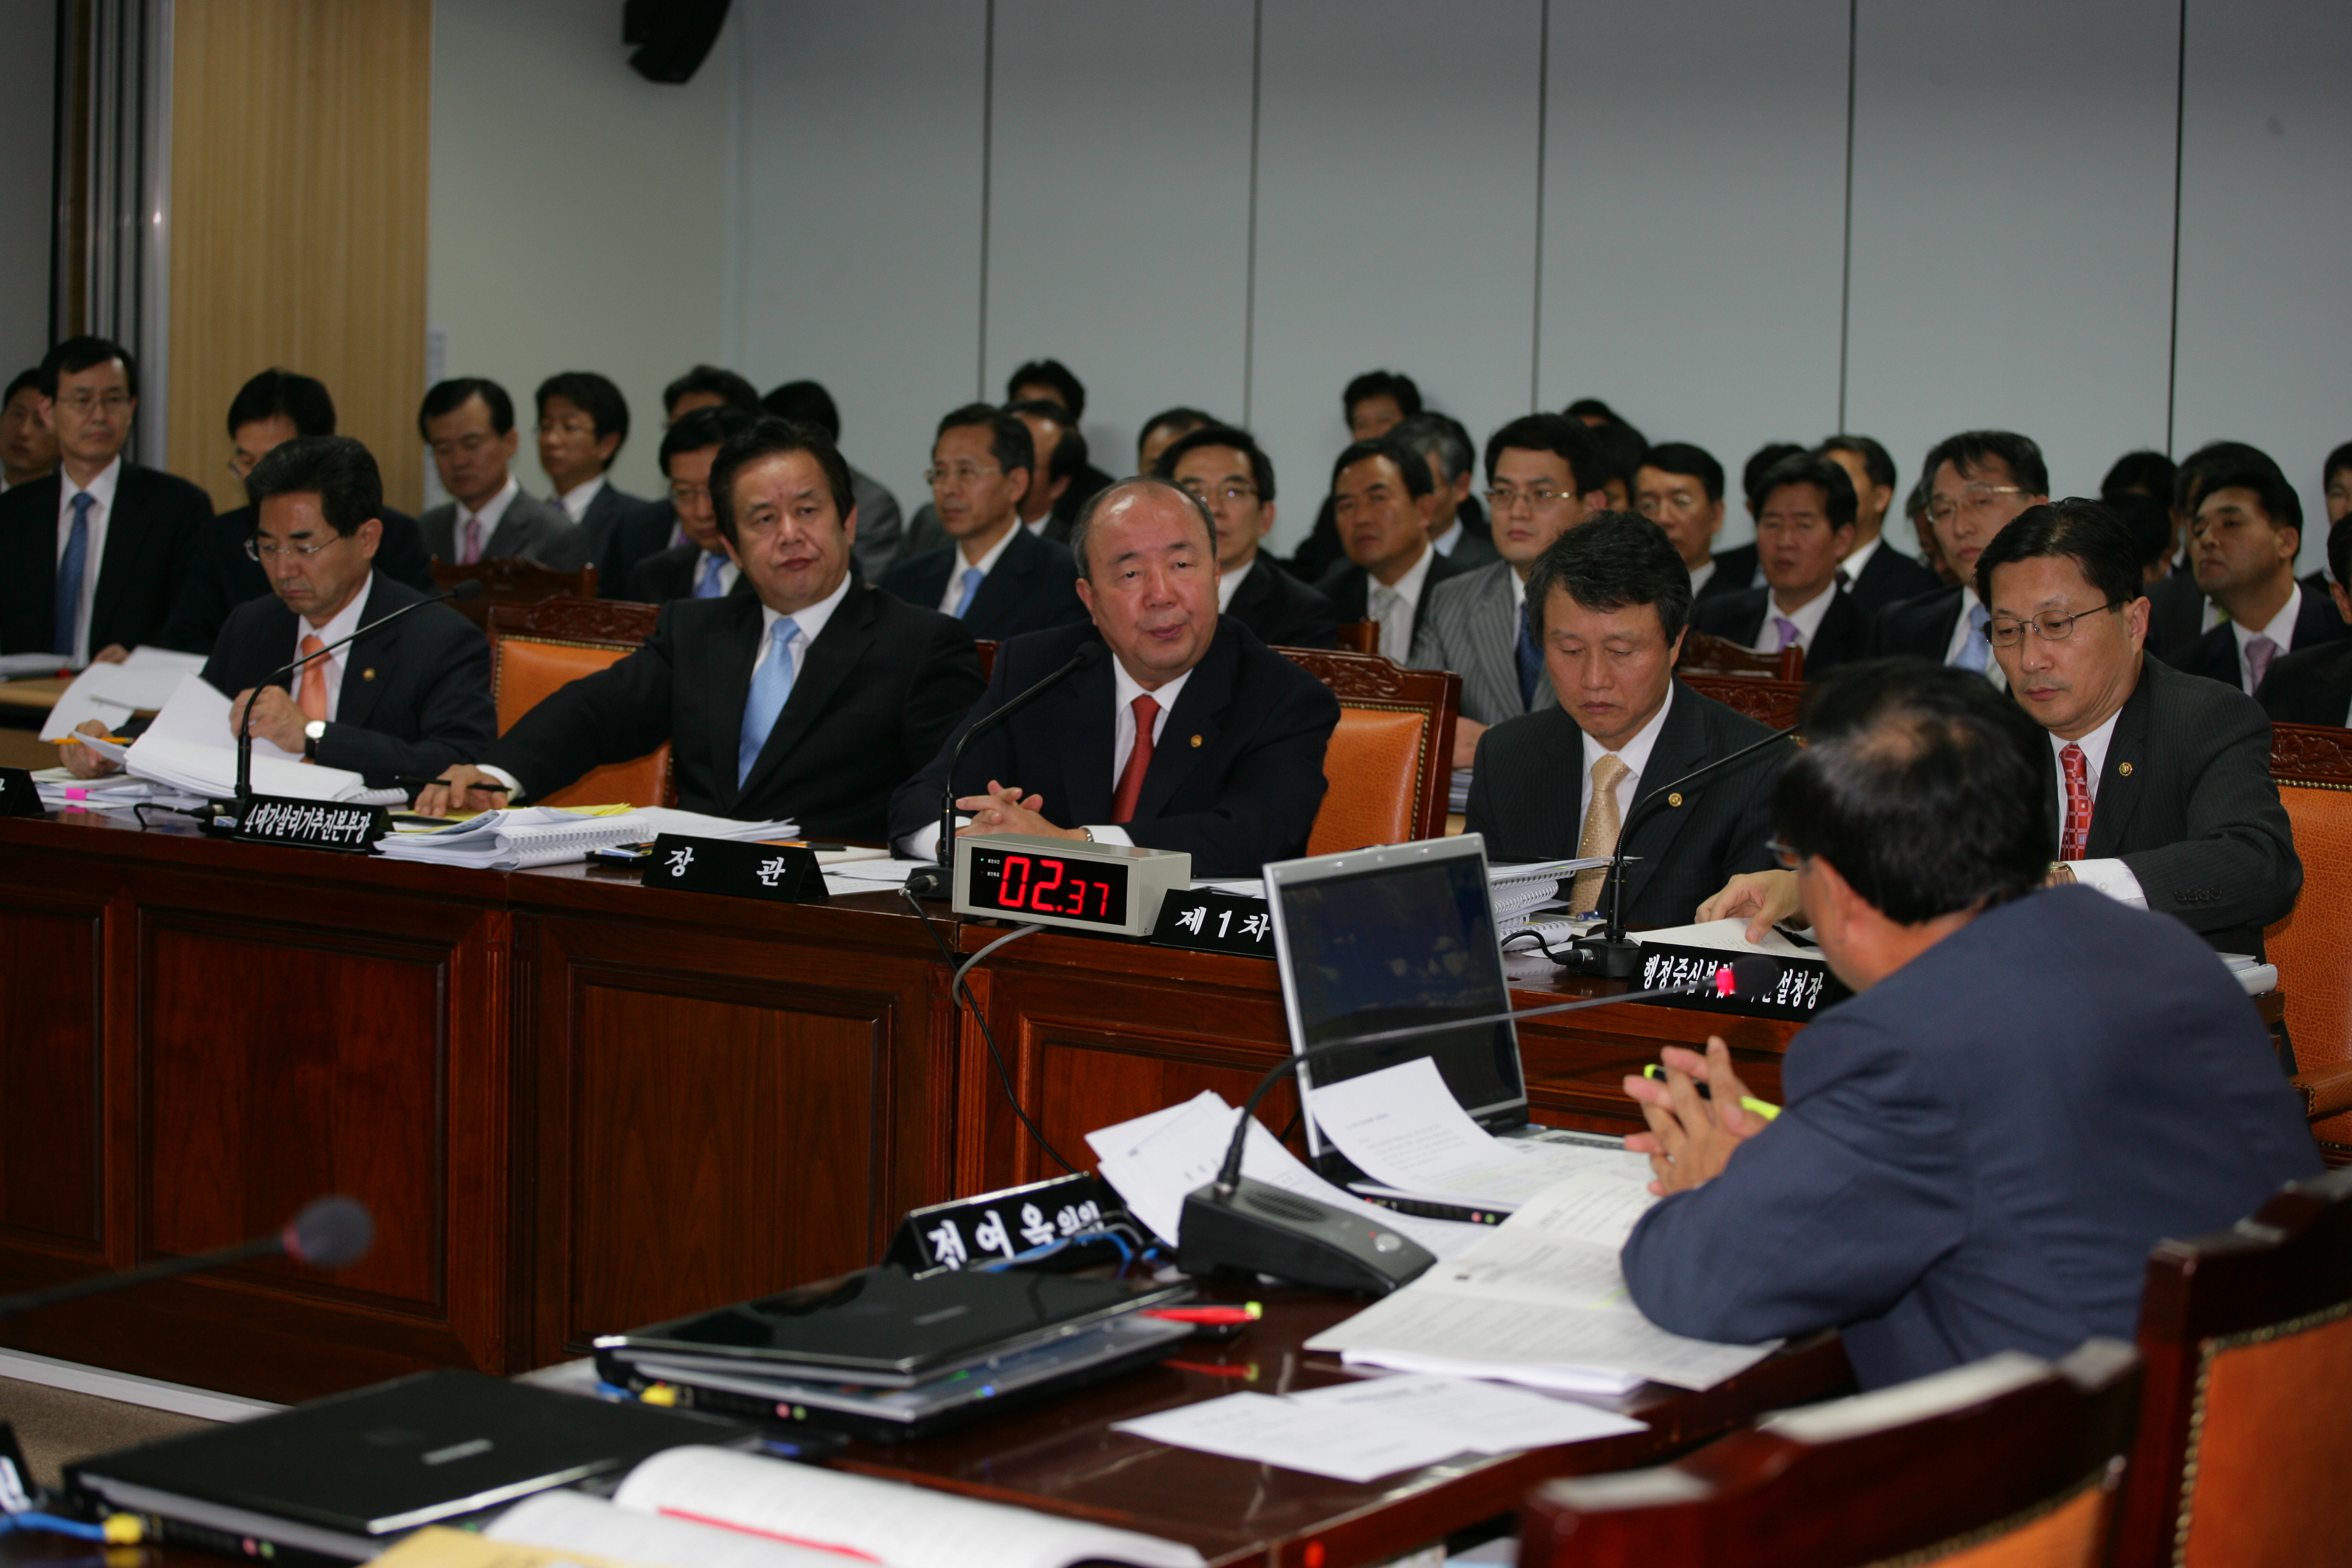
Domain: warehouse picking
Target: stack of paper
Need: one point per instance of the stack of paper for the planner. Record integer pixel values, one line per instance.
(660, 820)
(60, 791)
(1404, 1130)
(31, 666)
(516, 838)
(112, 693)
(191, 747)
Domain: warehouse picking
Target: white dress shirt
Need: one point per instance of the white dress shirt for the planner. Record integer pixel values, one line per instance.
(1807, 617)
(101, 491)
(493, 511)
(340, 624)
(1634, 754)
(1444, 542)
(1038, 527)
(1853, 563)
(727, 573)
(1701, 576)
(2281, 631)
(576, 501)
(1992, 669)
(1230, 583)
(958, 567)
(2111, 877)
(1396, 639)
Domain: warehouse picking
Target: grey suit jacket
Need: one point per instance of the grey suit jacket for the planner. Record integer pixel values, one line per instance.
(529, 528)
(587, 541)
(879, 527)
(1470, 624)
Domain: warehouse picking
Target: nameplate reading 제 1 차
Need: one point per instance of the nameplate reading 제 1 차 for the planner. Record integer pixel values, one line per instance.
(313, 824)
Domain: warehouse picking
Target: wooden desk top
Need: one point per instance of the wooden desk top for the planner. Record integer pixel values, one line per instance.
(38, 696)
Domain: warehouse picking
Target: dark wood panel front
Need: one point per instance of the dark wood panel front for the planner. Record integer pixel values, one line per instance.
(52, 1029)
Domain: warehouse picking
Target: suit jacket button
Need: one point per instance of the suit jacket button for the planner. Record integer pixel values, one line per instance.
(2124, 768)
(1674, 799)
(367, 675)
(1196, 740)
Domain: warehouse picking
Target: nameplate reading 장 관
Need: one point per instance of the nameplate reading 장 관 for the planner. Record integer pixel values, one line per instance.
(784, 873)
(1209, 921)
(313, 824)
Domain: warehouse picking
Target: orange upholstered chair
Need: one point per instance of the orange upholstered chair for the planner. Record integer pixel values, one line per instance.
(2312, 946)
(535, 648)
(2008, 1463)
(1391, 758)
(2247, 1337)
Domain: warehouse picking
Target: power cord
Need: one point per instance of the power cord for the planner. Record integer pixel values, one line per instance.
(958, 989)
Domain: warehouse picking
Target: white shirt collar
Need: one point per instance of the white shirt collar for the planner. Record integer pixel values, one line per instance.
(1807, 617)
(492, 511)
(1036, 528)
(811, 621)
(340, 624)
(1230, 583)
(1518, 590)
(1701, 574)
(1444, 542)
(1125, 689)
(2094, 759)
(1407, 587)
(957, 566)
(1992, 669)
(1860, 558)
(1634, 754)
(576, 501)
(2281, 629)
(102, 488)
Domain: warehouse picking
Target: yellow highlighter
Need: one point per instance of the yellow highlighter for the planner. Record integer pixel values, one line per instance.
(1747, 1102)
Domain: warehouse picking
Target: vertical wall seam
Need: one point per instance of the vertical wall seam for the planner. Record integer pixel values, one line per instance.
(1543, 114)
(1249, 270)
(2179, 152)
(1845, 250)
(987, 169)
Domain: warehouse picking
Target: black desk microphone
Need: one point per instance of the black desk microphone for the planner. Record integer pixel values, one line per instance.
(330, 1233)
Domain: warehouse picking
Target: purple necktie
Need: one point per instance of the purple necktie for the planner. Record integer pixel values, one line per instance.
(2260, 652)
(1789, 632)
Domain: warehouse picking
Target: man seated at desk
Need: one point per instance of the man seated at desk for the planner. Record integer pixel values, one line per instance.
(1611, 600)
(1190, 735)
(406, 700)
(2029, 1091)
(810, 698)
(2314, 685)
(2162, 780)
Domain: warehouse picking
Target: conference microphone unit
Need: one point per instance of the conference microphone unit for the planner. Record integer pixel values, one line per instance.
(939, 881)
(1238, 1222)
(465, 591)
(330, 1233)
(1609, 955)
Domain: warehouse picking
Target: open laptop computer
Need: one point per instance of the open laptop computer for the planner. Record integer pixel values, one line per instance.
(1399, 935)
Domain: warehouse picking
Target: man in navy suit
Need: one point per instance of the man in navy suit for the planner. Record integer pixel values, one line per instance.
(2029, 1091)
(2242, 541)
(1226, 470)
(1978, 481)
(1873, 572)
(996, 576)
(2315, 685)
(1803, 530)
(1191, 735)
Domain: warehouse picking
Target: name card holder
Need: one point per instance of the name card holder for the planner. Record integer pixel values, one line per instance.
(1805, 985)
(312, 825)
(1209, 921)
(19, 796)
(781, 873)
(996, 1227)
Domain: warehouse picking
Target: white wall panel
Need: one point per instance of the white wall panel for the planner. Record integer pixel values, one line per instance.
(857, 218)
(1396, 217)
(27, 68)
(1694, 219)
(1118, 224)
(2265, 343)
(2012, 225)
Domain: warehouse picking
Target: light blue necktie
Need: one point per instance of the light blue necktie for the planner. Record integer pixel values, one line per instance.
(771, 684)
(1977, 652)
(971, 577)
(709, 587)
(72, 567)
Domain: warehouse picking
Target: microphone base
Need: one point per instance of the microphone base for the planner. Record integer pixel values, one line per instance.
(1262, 1230)
(931, 882)
(1602, 959)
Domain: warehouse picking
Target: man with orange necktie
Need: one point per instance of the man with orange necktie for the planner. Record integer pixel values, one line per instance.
(1193, 735)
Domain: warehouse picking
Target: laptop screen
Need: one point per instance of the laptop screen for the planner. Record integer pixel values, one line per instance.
(1384, 939)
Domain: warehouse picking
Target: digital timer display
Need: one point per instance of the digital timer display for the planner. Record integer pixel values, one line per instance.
(1014, 882)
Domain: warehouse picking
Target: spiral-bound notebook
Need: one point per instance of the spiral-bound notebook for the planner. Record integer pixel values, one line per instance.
(516, 838)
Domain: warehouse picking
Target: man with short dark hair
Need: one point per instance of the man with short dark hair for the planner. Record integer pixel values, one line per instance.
(1051, 380)
(1873, 572)
(2313, 685)
(1383, 497)
(1679, 486)
(402, 701)
(29, 448)
(2247, 530)
(1458, 525)
(654, 526)
(1061, 453)
(94, 555)
(271, 409)
(1739, 568)
(469, 423)
(1226, 471)
(1610, 600)
(809, 699)
(996, 576)
(702, 567)
(1977, 483)
(1373, 404)
(583, 421)
(707, 386)
(2179, 611)
(1621, 449)
(880, 527)
(2336, 479)
(1191, 735)
(1952, 1177)
(1162, 430)
(1803, 530)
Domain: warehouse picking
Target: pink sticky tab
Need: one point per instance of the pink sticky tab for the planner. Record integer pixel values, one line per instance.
(1723, 981)
(77, 795)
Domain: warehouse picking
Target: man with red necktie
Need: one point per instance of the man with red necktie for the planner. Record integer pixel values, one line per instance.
(1193, 735)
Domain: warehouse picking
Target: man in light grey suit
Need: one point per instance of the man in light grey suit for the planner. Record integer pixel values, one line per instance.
(469, 425)
(1544, 476)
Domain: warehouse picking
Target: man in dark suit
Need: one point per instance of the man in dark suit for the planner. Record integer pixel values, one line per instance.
(93, 556)
(2247, 530)
(2314, 685)
(1457, 527)
(1060, 449)
(470, 426)
(1226, 470)
(655, 525)
(1741, 568)
(1372, 404)
(1191, 735)
(404, 700)
(1950, 1178)
(995, 576)
(701, 568)
(1803, 531)
(1977, 483)
(1679, 486)
(268, 411)
(1873, 572)
(1383, 497)
(880, 528)
(28, 447)
(1611, 598)
(810, 698)
(1050, 379)
(583, 421)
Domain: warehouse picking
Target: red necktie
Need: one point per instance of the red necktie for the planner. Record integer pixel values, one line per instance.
(2077, 837)
(1138, 762)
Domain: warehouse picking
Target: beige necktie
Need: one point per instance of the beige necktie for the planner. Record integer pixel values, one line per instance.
(1599, 835)
(1389, 609)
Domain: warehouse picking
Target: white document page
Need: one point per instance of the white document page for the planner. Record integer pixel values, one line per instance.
(1437, 1325)
(1346, 1445)
(889, 1523)
(1483, 1417)
(191, 746)
(695, 825)
(112, 693)
(574, 1522)
(1403, 1127)
(881, 872)
(1726, 936)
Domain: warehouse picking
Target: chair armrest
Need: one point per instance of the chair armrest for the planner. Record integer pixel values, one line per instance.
(2325, 1091)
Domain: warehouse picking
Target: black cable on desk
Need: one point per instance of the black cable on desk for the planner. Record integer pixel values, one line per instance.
(957, 988)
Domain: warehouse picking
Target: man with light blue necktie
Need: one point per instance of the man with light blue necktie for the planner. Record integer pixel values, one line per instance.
(1978, 482)
(997, 577)
(700, 568)
(809, 699)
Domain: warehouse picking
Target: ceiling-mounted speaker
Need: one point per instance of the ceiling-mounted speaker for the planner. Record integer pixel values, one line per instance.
(671, 36)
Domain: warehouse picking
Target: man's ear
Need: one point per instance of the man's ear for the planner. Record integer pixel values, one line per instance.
(368, 536)
(1265, 526)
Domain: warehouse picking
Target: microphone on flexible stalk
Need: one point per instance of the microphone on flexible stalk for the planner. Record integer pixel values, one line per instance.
(330, 1233)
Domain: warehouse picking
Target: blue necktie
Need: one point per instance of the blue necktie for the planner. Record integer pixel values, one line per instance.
(1531, 664)
(71, 566)
(709, 587)
(971, 576)
(1977, 652)
(771, 684)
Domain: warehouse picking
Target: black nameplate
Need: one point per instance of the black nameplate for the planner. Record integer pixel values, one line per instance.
(313, 824)
(1805, 985)
(787, 874)
(18, 794)
(995, 1227)
(1207, 921)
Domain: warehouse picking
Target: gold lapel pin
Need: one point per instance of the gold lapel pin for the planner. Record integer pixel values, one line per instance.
(1674, 799)
(2124, 768)
(1196, 740)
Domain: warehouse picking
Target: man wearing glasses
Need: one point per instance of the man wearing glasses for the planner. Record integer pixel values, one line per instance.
(1224, 469)
(406, 700)
(1977, 481)
(995, 576)
(469, 425)
(700, 567)
(94, 555)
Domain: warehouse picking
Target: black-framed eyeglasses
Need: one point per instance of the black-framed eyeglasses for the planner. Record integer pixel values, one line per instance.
(2006, 631)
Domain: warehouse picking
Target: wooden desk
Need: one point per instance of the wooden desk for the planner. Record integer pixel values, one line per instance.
(33, 696)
